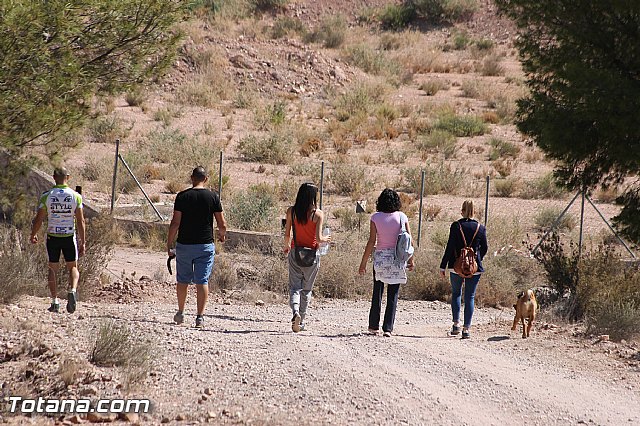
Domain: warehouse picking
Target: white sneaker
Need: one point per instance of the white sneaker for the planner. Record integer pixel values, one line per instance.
(387, 334)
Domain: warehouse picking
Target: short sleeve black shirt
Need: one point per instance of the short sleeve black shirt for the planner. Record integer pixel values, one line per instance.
(197, 207)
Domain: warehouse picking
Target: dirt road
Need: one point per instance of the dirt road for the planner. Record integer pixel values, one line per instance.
(256, 371)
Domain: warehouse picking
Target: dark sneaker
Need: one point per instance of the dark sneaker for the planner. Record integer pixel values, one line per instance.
(178, 318)
(55, 307)
(199, 321)
(455, 330)
(295, 322)
(465, 334)
(71, 301)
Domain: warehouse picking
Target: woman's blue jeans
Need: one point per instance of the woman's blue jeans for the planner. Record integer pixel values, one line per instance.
(470, 285)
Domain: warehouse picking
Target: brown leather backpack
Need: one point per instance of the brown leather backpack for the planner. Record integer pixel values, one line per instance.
(466, 263)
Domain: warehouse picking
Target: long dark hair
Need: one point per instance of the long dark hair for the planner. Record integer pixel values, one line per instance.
(388, 201)
(305, 200)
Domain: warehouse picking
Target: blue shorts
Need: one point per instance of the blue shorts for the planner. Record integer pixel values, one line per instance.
(194, 263)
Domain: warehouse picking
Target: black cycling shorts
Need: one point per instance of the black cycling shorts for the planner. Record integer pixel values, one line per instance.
(66, 245)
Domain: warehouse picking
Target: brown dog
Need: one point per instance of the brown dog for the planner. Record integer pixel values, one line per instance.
(526, 307)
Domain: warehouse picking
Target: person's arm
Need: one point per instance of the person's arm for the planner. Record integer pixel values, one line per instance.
(173, 230)
(484, 246)
(222, 225)
(319, 217)
(287, 232)
(81, 230)
(37, 223)
(371, 243)
(449, 251)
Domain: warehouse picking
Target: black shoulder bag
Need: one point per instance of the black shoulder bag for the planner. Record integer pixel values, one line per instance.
(304, 256)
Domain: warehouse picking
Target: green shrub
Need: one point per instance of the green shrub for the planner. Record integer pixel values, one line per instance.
(470, 89)
(484, 44)
(542, 188)
(135, 97)
(287, 26)
(425, 283)
(461, 40)
(396, 16)
(253, 209)
(548, 215)
(274, 148)
(107, 130)
(506, 187)
(348, 179)
(394, 156)
(331, 32)
(502, 149)
(308, 170)
(438, 141)
(612, 308)
(224, 275)
(244, 99)
(116, 345)
(171, 146)
(274, 114)
(433, 86)
(23, 266)
(348, 218)
(444, 10)
(462, 125)
(337, 279)
(265, 5)
(439, 178)
(359, 99)
(372, 61)
(504, 275)
(491, 66)
(615, 316)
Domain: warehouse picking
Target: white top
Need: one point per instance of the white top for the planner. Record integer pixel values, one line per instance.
(61, 203)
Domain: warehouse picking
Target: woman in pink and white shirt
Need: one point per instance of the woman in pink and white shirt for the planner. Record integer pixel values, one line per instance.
(385, 226)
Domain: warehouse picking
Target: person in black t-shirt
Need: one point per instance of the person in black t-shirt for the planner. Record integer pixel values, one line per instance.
(192, 222)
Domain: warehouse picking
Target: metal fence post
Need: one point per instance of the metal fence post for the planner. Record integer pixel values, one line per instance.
(115, 175)
(420, 212)
(321, 184)
(486, 204)
(581, 224)
(220, 178)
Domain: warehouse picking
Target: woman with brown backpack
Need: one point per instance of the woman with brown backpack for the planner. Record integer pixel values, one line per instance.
(466, 247)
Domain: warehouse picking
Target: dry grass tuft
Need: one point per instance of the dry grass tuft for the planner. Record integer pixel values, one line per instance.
(116, 345)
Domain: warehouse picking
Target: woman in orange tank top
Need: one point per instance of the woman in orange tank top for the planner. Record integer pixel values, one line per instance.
(307, 221)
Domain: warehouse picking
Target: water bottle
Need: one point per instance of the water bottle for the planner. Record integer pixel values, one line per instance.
(324, 247)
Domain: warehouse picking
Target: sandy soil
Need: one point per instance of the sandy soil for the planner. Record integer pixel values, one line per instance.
(247, 367)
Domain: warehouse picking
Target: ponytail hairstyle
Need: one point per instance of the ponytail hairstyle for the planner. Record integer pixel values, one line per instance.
(467, 209)
(306, 200)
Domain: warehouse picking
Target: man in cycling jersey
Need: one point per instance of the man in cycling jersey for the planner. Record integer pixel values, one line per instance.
(62, 207)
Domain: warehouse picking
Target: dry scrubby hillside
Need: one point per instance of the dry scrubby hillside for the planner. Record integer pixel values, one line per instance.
(280, 91)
